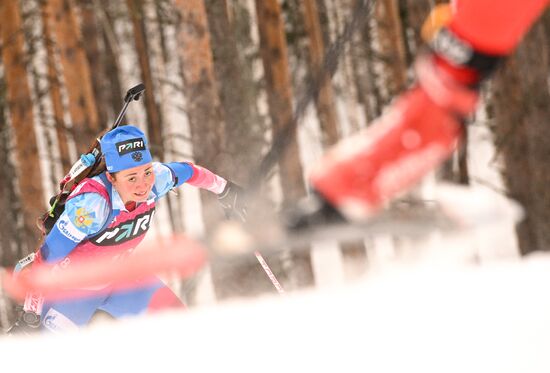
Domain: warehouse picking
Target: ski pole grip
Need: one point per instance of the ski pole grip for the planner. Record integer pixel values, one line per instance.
(135, 92)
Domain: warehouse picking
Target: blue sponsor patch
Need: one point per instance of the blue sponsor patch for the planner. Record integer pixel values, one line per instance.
(57, 322)
(69, 230)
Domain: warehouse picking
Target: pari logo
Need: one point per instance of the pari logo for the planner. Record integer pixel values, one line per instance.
(128, 146)
(69, 230)
(125, 231)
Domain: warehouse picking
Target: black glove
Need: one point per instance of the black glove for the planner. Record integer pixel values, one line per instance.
(28, 323)
(232, 201)
(311, 212)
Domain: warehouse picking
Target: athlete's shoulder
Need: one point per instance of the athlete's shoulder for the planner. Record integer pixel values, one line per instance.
(160, 168)
(164, 178)
(87, 211)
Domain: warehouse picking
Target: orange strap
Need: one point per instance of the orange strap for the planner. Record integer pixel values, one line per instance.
(440, 16)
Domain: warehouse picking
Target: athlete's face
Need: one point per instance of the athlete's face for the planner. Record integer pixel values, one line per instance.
(134, 184)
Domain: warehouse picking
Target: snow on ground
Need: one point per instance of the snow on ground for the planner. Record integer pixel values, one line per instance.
(436, 311)
(449, 318)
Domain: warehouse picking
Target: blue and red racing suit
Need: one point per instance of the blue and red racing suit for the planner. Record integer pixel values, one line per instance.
(97, 223)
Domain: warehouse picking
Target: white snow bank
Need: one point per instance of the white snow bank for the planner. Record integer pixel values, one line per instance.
(494, 318)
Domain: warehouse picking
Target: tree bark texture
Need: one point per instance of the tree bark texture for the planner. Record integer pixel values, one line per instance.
(76, 72)
(274, 52)
(521, 110)
(391, 47)
(21, 111)
(91, 37)
(324, 102)
(244, 136)
(54, 87)
(154, 121)
(202, 102)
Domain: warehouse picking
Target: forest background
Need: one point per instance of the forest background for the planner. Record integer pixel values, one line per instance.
(244, 88)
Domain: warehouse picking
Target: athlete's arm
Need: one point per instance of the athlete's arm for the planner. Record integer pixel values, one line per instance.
(174, 174)
(83, 217)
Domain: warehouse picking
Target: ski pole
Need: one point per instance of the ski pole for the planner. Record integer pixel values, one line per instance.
(269, 272)
(261, 259)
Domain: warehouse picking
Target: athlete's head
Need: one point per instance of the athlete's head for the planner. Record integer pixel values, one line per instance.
(128, 162)
(125, 147)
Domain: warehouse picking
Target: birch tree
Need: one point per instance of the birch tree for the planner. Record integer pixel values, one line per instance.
(11, 245)
(113, 88)
(154, 122)
(21, 111)
(54, 88)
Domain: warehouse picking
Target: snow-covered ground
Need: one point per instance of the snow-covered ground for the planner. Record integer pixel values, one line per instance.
(437, 310)
(462, 303)
(447, 318)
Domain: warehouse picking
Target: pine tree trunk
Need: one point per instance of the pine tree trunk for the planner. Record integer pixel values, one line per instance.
(160, 25)
(154, 121)
(10, 232)
(54, 88)
(22, 119)
(202, 101)
(324, 102)
(391, 47)
(94, 53)
(533, 55)
(521, 110)
(113, 90)
(76, 72)
(365, 78)
(510, 132)
(338, 14)
(205, 116)
(274, 54)
(416, 13)
(243, 136)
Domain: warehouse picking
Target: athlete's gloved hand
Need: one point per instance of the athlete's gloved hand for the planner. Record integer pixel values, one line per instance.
(28, 323)
(310, 212)
(232, 201)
